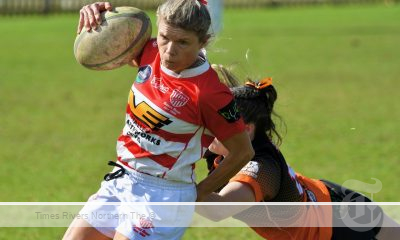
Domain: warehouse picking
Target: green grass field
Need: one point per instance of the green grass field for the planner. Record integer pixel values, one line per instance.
(336, 70)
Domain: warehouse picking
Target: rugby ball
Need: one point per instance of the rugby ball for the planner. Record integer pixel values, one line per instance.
(120, 38)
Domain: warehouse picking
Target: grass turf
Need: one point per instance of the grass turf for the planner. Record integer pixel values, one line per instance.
(335, 68)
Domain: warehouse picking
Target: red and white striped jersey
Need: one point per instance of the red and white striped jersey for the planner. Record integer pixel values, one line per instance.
(172, 118)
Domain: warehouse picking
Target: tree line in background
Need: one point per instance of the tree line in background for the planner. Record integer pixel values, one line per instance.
(52, 6)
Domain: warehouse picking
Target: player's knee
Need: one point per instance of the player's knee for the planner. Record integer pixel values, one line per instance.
(76, 233)
(80, 232)
(69, 234)
(119, 236)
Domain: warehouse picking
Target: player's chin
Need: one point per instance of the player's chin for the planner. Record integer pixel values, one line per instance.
(173, 66)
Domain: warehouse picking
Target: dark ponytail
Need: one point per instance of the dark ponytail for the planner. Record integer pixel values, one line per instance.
(255, 101)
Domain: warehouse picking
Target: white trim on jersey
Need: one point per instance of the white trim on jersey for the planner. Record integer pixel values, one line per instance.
(182, 169)
(187, 73)
(148, 166)
(183, 166)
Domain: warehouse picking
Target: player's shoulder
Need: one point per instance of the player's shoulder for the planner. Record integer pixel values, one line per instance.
(151, 44)
(213, 77)
(149, 52)
(210, 83)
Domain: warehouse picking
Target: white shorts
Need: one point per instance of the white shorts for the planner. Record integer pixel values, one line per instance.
(140, 221)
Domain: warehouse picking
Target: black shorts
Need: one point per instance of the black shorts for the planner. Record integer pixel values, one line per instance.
(353, 222)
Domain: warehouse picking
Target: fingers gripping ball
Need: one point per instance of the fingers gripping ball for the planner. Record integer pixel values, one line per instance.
(119, 39)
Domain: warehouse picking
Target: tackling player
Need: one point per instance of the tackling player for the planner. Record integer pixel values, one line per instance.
(268, 178)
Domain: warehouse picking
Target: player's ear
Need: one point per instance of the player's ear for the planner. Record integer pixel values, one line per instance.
(204, 41)
(250, 129)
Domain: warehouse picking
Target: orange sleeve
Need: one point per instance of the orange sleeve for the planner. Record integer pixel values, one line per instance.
(250, 181)
(317, 187)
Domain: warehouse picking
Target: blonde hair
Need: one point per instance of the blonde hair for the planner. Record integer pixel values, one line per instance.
(190, 15)
(226, 76)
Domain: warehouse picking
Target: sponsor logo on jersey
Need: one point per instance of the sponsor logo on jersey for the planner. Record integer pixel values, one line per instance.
(251, 169)
(158, 84)
(139, 134)
(230, 112)
(144, 74)
(170, 109)
(146, 114)
(178, 98)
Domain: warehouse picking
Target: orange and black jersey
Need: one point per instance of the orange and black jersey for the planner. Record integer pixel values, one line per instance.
(273, 180)
(267, 173)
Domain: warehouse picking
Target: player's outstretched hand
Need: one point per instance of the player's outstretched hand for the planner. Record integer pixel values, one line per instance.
(90, 15)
